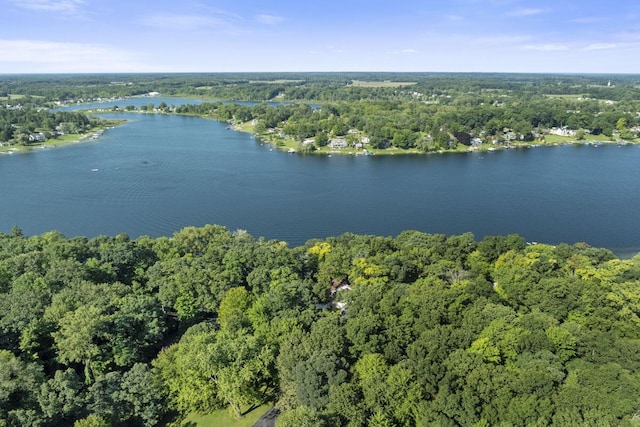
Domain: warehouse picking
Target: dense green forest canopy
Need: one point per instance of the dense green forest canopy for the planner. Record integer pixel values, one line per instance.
(414, 330)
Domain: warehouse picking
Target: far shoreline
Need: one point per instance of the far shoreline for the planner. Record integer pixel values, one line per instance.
(290, 145)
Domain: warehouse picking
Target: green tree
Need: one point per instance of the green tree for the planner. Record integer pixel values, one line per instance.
(19, 385)
(62, 398)
(142, 395)
(78, 339)
(91, 421)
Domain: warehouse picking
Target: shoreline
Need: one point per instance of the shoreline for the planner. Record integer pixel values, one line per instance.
(291, 146)
(288, 145)
(92, 135)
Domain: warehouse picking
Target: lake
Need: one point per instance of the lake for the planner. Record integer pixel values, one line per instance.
(159, 173)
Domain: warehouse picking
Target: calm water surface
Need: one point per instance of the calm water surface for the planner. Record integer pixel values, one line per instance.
(159, 173)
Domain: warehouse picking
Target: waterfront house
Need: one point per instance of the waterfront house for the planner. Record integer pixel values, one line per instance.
(337, 143)
(37, 137)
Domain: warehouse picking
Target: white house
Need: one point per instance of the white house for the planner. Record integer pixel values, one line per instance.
(335, 143)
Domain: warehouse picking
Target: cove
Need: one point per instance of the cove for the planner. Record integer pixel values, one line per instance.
(159, 173)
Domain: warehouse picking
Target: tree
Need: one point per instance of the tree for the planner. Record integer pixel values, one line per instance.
(259, 128)
(187, 373)
(142, 395)
(102, 397)
(463, 138)
(19, 385)
(91, 421)
(26, 302)
(301, 417)
(241, 365)
(78, 339)
(62, 398)
(321, 139)
(232, 314)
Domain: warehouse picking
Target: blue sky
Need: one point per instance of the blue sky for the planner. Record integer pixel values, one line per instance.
(569, 36)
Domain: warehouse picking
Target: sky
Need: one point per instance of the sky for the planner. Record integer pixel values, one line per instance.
(96, 36)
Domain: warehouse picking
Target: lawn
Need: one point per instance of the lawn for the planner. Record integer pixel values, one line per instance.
(224, 418)
(557, 139)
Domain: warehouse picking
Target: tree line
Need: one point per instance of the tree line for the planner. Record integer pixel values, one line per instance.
(353, 330)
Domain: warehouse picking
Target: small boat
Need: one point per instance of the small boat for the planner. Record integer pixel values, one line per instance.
(94, 170)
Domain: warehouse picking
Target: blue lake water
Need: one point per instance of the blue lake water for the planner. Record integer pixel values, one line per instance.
(159, 173)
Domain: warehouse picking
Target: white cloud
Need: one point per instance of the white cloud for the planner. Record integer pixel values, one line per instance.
(62, 6)
(546, 47)
(180, 22)
(335, 49)
(589, 20)
(500, 40)
(404, 52)
(600, 46)
(49, 56)
(525, 12)
(629, 36)
(269, 19)
(455, 18)
(192, 22)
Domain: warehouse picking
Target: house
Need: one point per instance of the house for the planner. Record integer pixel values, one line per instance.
(37, 137)
(509, 136)
(476, 142)
(338, 285)
(337, 143)
(562, 131)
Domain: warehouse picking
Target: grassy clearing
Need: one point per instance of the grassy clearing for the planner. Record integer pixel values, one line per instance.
(224, 418)
(569, 96)
(557, 139)
(386, 83)
(14, 97)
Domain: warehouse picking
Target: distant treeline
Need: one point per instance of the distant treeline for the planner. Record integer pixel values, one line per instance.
(319, 86)
(418, 329)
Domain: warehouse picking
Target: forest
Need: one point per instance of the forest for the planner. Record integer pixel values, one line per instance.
(353, 330)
